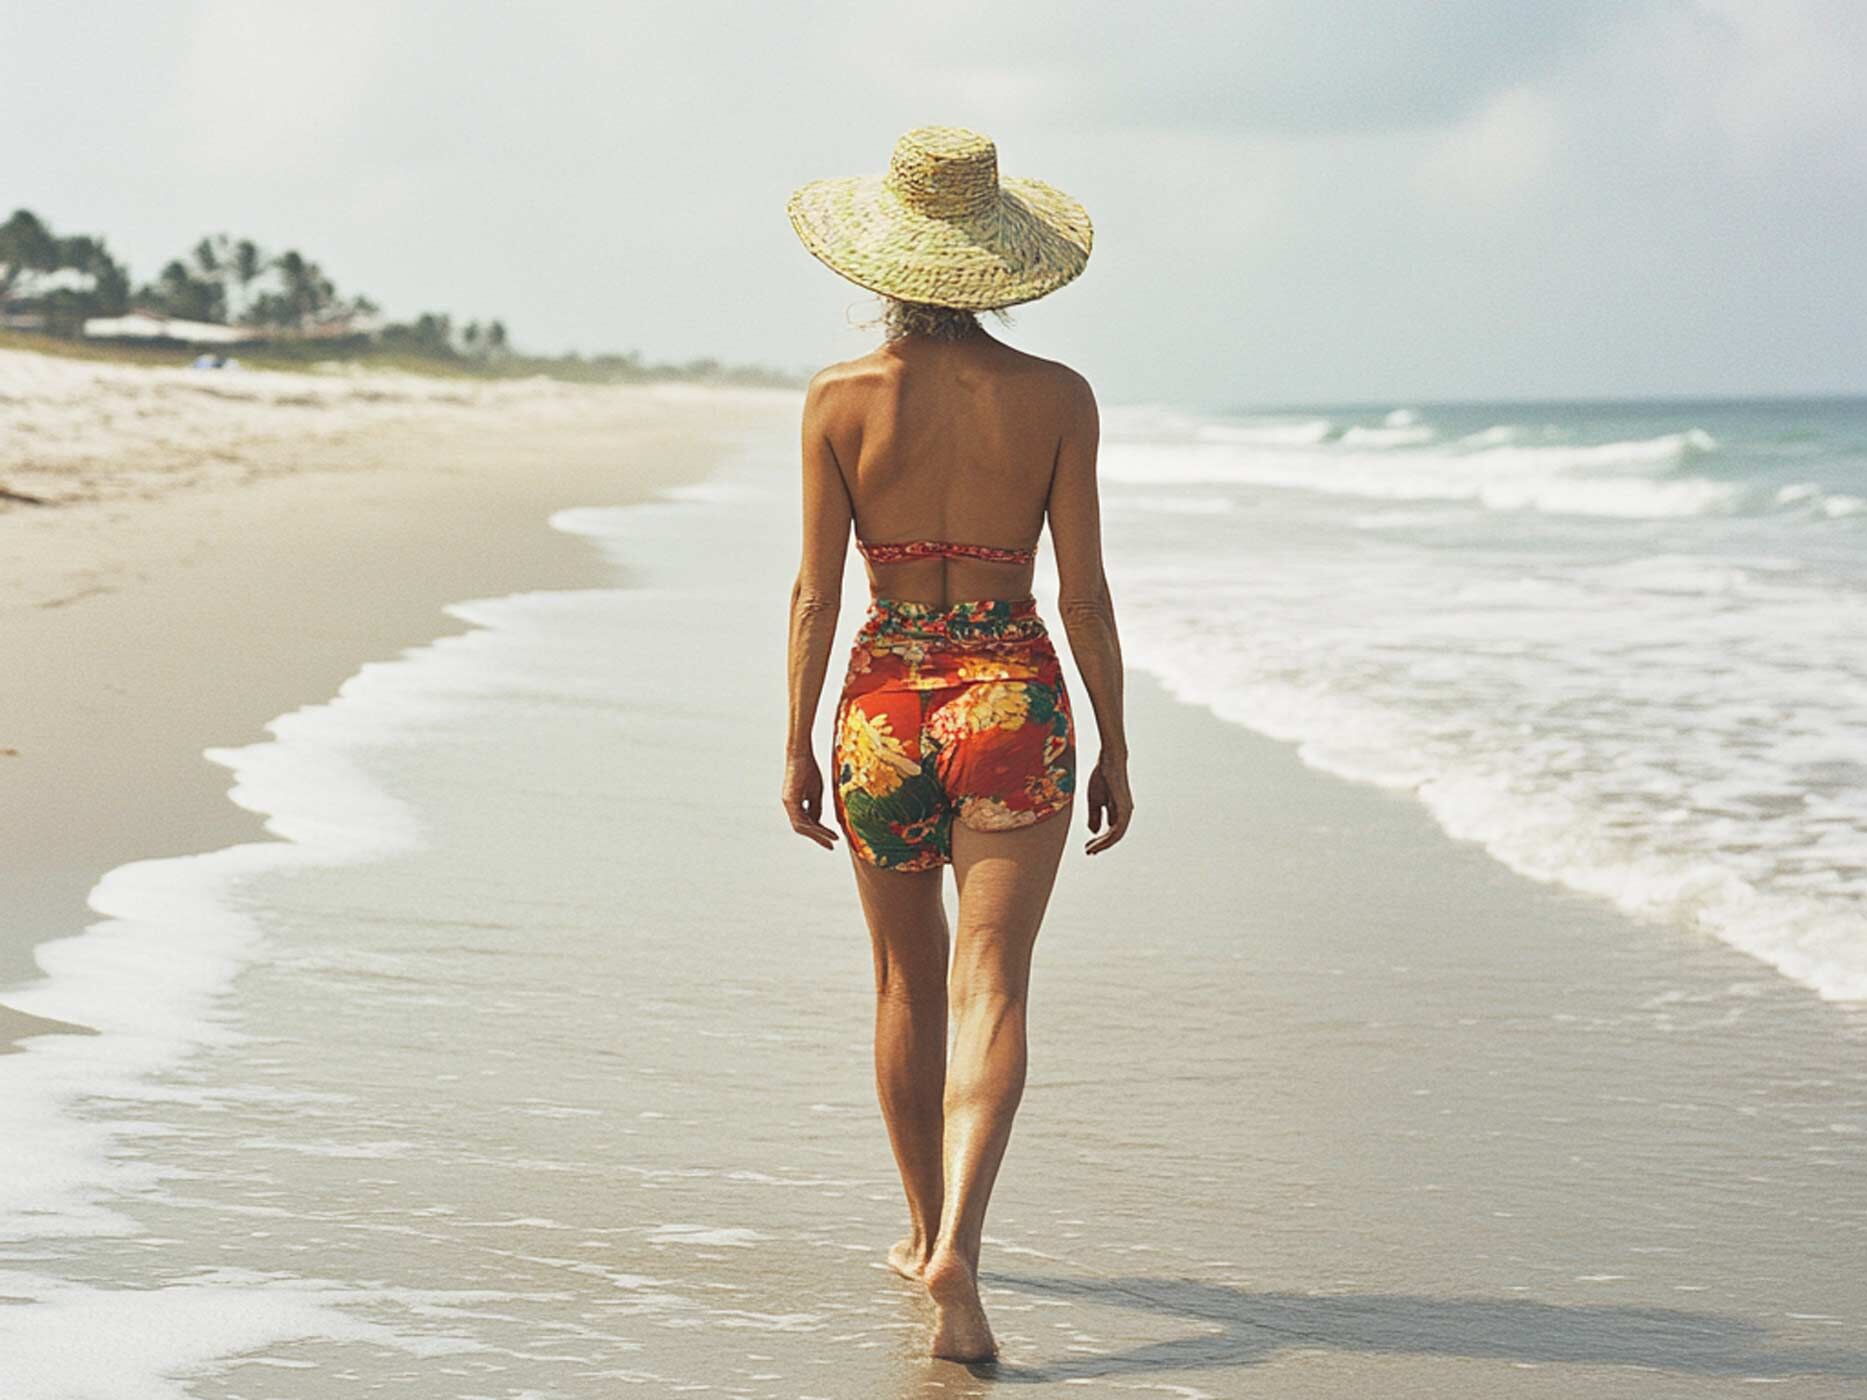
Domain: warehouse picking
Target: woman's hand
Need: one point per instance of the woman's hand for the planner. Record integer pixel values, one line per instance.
(1109, 796)
(803, 799)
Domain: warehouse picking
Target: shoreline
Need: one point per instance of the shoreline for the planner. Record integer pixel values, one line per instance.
(160, 625)
(1425, 1125)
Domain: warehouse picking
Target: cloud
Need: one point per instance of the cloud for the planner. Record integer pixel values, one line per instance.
(1770, 78)
(273, 86)
(1292, 200)
(1274, 66)
(1495, 156)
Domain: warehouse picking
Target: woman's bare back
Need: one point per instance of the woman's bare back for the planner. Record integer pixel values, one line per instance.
(951, 441)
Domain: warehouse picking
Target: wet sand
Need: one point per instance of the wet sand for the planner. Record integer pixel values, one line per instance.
(200, 582)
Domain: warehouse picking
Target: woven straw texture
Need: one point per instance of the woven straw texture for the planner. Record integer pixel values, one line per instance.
(944, 227)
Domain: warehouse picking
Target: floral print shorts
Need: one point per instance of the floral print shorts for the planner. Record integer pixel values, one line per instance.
(949, 710)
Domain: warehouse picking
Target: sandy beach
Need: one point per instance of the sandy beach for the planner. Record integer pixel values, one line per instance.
(534, 1061)
(225, 547)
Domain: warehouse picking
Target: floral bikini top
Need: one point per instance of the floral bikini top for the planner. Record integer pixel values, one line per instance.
(896, 552)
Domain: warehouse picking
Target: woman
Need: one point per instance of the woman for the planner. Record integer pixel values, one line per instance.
(948, 450)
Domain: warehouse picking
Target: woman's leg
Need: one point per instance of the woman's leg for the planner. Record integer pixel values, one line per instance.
(907, 930)
(1005, 879)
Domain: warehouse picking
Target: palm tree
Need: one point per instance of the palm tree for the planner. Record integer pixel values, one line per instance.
(217, 261)
(29, 249)
(180, 293)
(294, 271)
(26, 245)
(248, 262)
(306, 294)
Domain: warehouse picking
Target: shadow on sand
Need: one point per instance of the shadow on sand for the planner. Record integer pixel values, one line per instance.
(1244, 1328)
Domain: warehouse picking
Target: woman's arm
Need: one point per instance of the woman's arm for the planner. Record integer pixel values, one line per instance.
(816, 598)
(1087, 609)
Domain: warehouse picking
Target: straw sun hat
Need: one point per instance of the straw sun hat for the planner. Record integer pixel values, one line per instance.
(944, 227)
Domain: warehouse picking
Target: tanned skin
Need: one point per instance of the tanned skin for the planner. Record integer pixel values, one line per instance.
(970, 441)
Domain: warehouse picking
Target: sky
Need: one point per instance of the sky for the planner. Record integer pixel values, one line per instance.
(1295, 201)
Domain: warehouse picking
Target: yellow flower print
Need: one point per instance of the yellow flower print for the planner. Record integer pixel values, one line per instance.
(877, 759)
(982, 706)
(1002, 706)
(996, 666)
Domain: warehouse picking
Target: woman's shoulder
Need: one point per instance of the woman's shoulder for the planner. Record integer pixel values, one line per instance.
(1050, 376)
(1060, 386)
(844, 371)
(848, 384)
(840, 389)
(846, 380)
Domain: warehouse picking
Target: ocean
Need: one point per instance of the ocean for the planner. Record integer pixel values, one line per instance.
(531, 1058)
(1623, 647)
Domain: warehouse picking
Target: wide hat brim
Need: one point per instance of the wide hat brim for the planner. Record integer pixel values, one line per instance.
(1027, 242)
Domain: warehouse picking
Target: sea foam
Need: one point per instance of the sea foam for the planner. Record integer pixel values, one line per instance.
(151, 982)
(1612, 665)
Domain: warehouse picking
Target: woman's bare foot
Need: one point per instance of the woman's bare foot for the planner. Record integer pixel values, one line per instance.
(909, 1259)
(961, 1332)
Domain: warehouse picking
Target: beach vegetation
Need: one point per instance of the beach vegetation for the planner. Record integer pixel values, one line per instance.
(279, 310)
(53, 284)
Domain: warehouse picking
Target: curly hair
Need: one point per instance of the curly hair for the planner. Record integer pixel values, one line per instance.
(901, 319)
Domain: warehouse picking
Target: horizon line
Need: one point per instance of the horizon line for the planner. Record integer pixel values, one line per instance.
(1532, 401)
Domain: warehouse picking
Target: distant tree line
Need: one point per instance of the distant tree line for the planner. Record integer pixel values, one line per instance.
(433, 332)
(61, 280)
(55, 284)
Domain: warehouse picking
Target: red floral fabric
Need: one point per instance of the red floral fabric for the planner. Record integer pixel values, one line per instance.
(949, 711)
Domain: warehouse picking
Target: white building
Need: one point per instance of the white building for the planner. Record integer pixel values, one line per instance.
(31, 282)
(151, 325)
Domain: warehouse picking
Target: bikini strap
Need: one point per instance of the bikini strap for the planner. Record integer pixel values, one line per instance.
(893, 552)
